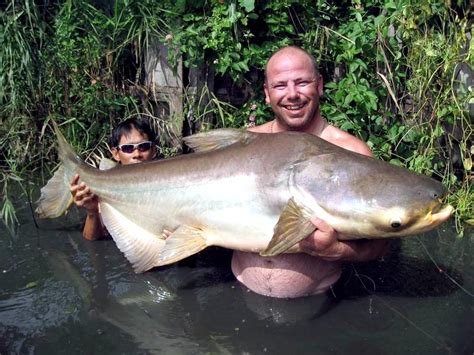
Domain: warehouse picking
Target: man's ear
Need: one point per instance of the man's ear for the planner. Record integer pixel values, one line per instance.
(320, 85)
(267, 94)
(115, 154)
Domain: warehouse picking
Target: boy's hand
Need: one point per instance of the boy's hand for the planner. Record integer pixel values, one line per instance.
(83, 197)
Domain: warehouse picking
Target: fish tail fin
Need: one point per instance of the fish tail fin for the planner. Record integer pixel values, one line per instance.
(56, 196)
(183, 242)
(67, 155)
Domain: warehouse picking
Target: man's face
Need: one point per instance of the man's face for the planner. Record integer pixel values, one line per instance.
(293, 88)
(137, 155)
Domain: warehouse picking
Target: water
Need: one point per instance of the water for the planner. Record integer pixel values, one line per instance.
(62, 294)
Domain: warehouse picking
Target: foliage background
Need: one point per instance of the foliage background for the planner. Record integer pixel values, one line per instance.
(398, 75)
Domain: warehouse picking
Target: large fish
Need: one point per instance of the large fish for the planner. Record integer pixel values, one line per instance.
(248, 191)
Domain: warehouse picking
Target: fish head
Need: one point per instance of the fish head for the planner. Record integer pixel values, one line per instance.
(414, 212)
(362, 197)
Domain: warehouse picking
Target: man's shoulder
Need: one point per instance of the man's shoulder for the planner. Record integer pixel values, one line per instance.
(263, 128)
(345, 140)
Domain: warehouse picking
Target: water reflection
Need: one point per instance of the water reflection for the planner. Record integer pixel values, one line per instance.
(61, 294)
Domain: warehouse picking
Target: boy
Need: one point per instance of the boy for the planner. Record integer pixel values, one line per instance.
(133, 141)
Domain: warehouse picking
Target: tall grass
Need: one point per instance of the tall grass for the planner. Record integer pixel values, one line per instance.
(21, 39)
(78, 62)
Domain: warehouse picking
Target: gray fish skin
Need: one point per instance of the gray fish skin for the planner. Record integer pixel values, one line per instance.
(253, 192)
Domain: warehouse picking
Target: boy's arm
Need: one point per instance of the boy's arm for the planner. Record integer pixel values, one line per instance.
(83, 197)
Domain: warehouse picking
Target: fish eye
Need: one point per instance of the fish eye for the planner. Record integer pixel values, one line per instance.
(395, 223)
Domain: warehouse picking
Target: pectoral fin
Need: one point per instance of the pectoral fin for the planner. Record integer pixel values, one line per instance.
(293, 226)
(140, 246)
(183, 242)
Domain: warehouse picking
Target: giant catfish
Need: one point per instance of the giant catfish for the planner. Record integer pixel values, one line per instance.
(247, 191)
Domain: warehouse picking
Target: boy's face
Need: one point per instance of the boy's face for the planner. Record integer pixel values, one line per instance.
(136, 156)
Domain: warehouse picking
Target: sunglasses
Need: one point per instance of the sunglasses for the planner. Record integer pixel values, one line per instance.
(129, 148)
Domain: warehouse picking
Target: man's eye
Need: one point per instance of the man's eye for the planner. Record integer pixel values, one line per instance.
(302, 83)
(279, 86)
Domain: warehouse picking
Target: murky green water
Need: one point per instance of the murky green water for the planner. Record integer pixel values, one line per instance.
(60, 294)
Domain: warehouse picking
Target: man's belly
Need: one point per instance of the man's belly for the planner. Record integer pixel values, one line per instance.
(286, 275)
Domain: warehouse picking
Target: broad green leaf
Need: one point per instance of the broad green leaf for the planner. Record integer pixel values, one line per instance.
(248, 5)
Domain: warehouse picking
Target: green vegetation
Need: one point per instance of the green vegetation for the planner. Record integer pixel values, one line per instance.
(395, 75)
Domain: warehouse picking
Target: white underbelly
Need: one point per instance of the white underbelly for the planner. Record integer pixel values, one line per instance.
(231, 210)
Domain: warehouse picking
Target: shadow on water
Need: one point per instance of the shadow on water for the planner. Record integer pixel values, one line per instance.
(62, 294)
(398, 274)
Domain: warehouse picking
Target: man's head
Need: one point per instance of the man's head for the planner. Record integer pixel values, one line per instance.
(133, 141)
(292, 87)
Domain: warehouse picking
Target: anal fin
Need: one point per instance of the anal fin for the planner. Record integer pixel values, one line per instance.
(293, 226)
(140, 246)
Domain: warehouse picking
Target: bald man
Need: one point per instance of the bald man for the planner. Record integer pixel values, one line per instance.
(292, 88)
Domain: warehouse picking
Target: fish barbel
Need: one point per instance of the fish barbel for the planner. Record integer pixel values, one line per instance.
(247, 191)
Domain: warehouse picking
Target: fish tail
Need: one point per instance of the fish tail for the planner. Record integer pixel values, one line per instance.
(67, 155)
(56, 196)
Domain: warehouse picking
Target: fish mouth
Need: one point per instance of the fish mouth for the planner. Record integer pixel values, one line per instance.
(440, 213)
(435, 216)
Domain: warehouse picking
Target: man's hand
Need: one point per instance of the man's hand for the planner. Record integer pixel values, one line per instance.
(83, 197)
(324, 243)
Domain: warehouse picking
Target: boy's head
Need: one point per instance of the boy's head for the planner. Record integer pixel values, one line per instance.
(133, 141)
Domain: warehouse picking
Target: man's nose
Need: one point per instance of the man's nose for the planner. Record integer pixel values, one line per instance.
(292, 91)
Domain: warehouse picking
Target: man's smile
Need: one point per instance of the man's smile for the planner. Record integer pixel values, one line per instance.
(294, 107)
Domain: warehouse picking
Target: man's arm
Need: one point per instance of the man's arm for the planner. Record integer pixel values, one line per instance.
(83, 197)
(324, 244)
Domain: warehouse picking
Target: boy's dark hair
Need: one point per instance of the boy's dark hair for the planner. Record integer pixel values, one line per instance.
(125, 127)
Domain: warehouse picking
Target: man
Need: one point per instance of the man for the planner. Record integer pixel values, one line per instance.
(132, 142)
(293, 87)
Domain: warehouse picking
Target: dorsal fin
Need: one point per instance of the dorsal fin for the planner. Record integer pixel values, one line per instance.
(218, 139)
